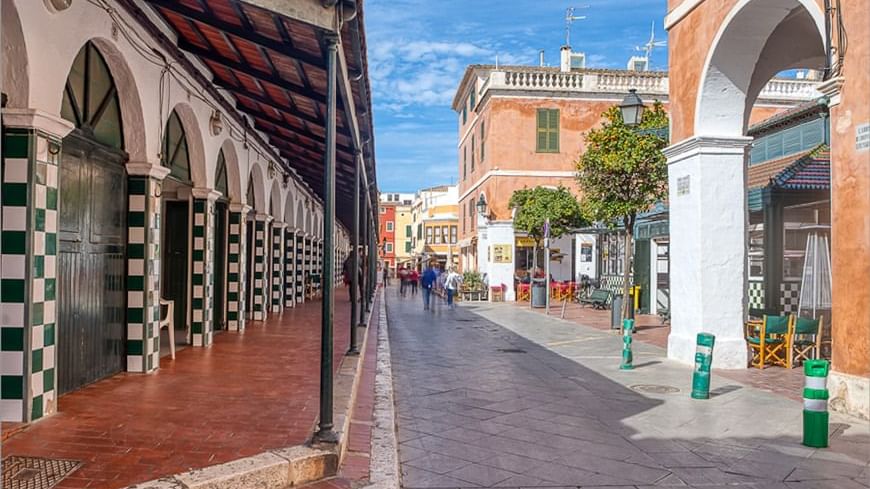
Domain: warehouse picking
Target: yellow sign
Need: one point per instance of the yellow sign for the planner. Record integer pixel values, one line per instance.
(502, 253)
(525, 242)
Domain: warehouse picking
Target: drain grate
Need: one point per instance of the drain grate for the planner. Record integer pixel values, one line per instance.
(35, 472)
(511, 350)
(655, 389)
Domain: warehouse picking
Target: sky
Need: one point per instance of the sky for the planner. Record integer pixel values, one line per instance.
(418, 51)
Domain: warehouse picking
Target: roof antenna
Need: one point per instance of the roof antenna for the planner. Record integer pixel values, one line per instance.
(647, 48)
(569, 19)
(496, 61)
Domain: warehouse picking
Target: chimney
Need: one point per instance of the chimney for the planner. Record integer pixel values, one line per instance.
(541, 56)
(565, 65)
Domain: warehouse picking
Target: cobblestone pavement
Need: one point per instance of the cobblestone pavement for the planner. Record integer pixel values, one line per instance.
(479, 405)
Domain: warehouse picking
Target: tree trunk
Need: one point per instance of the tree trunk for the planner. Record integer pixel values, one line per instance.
(627, 302)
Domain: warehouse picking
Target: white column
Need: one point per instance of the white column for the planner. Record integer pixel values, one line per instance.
(708, 222)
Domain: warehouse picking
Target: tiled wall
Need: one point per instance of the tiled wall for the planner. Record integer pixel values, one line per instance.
(277, 292)
(259, 296)
(236, 259)
(309, 260)
(756, 295)
(143, 275)
(300, 267)
(28, 273)
(289, 268)
(202, 303)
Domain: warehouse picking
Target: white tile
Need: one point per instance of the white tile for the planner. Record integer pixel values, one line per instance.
(50, 266)
(136, 235)
(48, 354)
(11, 410)
(135, 298)
(198, 267)
(134, 363)
(36, 384)
(14, 218)
(197, 315)
(135, 331)
(198, 291)
(198, 219)
(39, 196)
(38, 290)
(137, 203)
(39, 243)
(15, 170)
(198, 244)
(13, 266)
(37, 337)
(48, 312)
(12, 362)
(41, 149)
(136, 267)
(51, 176)
(50, 221)
(12, 314)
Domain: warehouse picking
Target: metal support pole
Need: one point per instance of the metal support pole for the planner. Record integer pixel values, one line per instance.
(325, 434)
(364, 297)
(354, 267)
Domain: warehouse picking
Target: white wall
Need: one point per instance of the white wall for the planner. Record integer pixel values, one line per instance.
(588, 268)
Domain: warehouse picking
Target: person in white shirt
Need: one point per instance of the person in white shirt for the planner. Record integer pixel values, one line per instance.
(452, 283)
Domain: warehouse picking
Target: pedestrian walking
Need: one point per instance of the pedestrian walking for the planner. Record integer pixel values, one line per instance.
(386, 276)
(403, 281)
(413, 280)
(451, 283)
(427, 283)
(346, 272)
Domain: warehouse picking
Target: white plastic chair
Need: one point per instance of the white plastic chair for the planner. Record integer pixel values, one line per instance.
(169, 322)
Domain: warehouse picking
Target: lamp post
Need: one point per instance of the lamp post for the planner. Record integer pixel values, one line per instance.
(631, 108)
(481, 206)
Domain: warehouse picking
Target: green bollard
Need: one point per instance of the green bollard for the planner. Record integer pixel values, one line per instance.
(703, 362)
(816, 403)
(627, 328)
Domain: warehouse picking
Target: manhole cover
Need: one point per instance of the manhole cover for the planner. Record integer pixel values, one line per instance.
(655, 389)
(34, 472)
(511, 350)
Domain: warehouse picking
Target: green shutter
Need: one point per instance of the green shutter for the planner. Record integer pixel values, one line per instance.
(548, 130)
(553, 130)
(542, 130)
(407, 246)
(408, 231)
(472, 152)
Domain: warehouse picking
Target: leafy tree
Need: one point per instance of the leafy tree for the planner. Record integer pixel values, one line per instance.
(622, 173)
(535, 205)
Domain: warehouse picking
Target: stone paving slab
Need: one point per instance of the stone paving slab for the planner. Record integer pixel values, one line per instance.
(492, 396)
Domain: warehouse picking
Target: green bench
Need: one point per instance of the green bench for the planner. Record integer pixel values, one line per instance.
(598, 299)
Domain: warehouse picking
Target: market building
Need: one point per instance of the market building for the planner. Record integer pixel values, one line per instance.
(722, 54)
(523, 126)
(168, 151)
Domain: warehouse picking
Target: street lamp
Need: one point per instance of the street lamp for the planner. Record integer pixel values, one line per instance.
(481, 206)
(631, 108)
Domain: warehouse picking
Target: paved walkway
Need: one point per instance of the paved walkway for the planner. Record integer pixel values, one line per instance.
(247, 393)
(490, 395)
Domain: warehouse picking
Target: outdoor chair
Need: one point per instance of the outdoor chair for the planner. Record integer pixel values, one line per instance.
(169, 323)
(524, 292)
(805, 340)
(598, 300)
(497, 293)
(768, 342)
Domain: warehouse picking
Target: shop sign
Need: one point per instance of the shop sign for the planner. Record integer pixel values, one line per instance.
(502, 253)
(862, 137)
(525, 242)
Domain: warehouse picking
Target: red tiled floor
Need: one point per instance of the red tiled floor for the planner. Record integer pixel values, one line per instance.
(247, 393)
(781, 381)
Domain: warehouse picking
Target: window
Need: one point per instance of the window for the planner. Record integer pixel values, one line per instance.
(453, 234)
(407, 246)
(464, 115)
(383, 210)
(91, 101)
(428, 235)
(388, 248)
(464, 162)
(472, 99)
(419, 231)
(220, 183)
(437, 234)
(482, 143)
(408, 231)
(175, 154)
(548, 131)
(389, 225)
(472, 153)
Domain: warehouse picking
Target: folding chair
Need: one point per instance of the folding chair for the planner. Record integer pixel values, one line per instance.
(805, 340)
(769, 343)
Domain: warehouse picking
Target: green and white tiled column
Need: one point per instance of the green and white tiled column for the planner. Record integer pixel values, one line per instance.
(28, 264)
(202, 279)
(299, 265)
(261, 243)
(277, 292)
(237, 267)
(309, 260)
(143, 266)
(289, 267)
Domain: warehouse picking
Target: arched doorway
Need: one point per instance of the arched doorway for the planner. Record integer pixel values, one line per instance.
(221, 242)
(707, 168)
(175, 283)
(91, 289)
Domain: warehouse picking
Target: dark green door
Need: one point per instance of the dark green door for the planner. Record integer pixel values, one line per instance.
(175, 263)
(642, 272)
(220, 265)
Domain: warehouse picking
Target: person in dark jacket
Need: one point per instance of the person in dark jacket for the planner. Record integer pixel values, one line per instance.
(427, 283)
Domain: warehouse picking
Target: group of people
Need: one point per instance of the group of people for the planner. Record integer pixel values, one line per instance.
(428, 281)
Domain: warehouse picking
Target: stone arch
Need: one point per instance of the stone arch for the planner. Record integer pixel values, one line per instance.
(290, 209)
(16, 67)
(234, 181)
(257, 182)
(757, 40)
(300, 214)
(195, 145)
(276, 207)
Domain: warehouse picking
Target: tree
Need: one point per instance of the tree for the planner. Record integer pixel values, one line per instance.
(535, 205)
(622, 173)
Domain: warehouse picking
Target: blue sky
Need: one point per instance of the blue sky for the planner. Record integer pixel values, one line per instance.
(418, 51)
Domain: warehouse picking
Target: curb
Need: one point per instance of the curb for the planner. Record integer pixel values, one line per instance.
(283, 467)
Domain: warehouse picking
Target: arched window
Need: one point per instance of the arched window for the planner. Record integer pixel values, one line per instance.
(175, 155)
(251, 200)
(90, 99)
(220, 180)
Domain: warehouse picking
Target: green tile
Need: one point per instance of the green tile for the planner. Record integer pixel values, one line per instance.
(16, 146)
(136, 219)
(39, 219)
(196, 327)
(51, 198)
(135, 315)
(136, 186)
(36, 361)
(48, 380)
(12, 339)
(12, 289)
(197, 279)
(11, 387)
(36, 408)
(198, 255)
(50, 289)
(50, 244)
(198, 206)
(13, 242)
(134, 347)
(14, 194)
(48, 334)
(198, 231)
(135, 250)
(38, 266)
(36, 314)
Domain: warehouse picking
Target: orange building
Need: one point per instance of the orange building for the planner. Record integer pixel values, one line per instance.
(722, 53)
(522, 126)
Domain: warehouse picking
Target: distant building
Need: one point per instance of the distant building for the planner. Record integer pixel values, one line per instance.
(393, 220)
(435, 220)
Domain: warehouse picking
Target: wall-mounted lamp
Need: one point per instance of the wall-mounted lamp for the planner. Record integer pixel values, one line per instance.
(481, 206)
(216, 123)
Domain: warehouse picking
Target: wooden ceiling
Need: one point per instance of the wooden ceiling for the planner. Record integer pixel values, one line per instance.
(275, 68)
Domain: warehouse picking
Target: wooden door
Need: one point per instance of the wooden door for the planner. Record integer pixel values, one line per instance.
(220, 265)
(175, 263)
